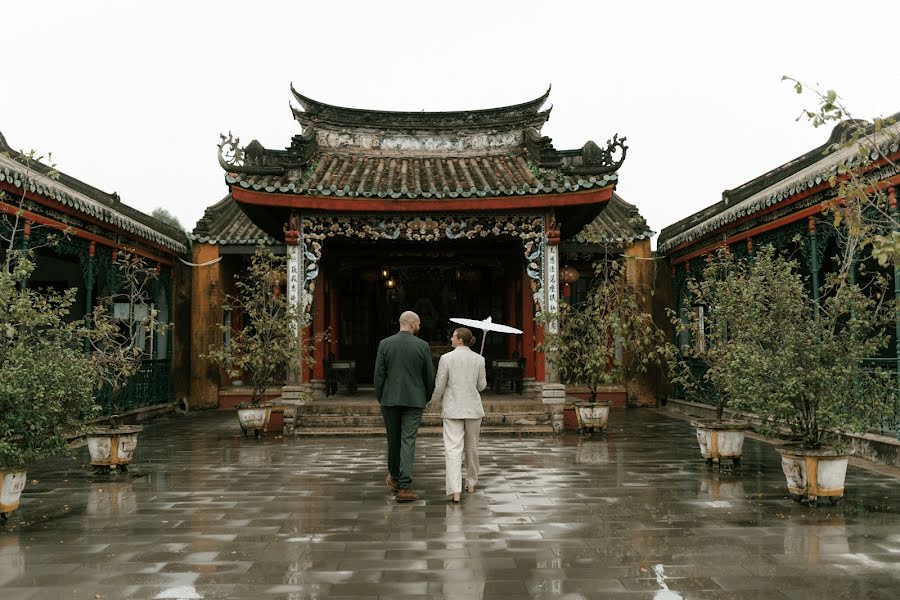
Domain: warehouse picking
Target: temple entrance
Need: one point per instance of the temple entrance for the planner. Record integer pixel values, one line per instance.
(376, 281)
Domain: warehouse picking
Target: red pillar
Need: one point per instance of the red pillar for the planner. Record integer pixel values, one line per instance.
(527, 325)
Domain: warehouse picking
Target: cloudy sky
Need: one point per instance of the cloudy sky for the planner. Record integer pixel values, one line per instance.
(131, 97)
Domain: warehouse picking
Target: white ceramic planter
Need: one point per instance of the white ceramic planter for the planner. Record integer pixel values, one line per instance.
(591, 416)
(254, 419)
(12, 482)
(812, 474)
(113, 446)
(720, 440)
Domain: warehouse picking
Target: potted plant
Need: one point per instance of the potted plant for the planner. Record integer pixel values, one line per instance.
(46, 380)
(262, 350)
(602, 340)
(122, 326)
(801, 368)
(717, 304)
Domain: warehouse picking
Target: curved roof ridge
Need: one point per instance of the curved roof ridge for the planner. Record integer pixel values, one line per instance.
(505, 118)
(530, 106)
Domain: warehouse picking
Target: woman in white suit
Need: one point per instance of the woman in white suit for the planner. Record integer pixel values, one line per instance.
(460, 376)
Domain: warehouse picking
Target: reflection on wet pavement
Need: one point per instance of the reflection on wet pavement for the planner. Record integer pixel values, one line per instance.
(633, 513)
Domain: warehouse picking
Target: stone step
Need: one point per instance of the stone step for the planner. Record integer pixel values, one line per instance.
(512, 430)
(428, 420)
(371, 407)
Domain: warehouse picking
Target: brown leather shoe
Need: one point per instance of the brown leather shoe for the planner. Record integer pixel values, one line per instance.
(391, 483)
(407, 495)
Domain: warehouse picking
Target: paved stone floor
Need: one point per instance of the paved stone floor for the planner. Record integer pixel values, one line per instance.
(631, 514)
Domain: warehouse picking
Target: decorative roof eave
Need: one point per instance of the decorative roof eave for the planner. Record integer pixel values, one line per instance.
(392, 204)
(816, 175)
(526, 114)
(338, 195)
(619, 224)
(263, 240)
(30, 180)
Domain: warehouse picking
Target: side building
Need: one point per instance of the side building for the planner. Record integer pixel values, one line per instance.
(788, 207)
(90, 227)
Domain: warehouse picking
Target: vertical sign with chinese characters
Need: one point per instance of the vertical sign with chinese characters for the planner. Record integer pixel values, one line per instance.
(552, 286)
(293, 283)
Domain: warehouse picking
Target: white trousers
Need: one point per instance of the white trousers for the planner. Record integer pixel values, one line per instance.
(461, 435)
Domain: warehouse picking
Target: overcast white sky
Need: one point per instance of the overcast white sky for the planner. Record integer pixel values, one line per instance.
(131, 97)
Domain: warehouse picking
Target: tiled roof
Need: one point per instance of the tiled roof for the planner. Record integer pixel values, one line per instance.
(87, 199)
(517, 116)
(436, 177)
(344, 152)
(225, 223)
(619, 223)
(803, 173)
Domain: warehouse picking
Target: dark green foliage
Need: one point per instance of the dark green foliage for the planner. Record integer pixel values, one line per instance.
(584, 348)
(769, 350)
(46, 380)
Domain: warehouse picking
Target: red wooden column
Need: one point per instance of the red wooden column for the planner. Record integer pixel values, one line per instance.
(318, 310)
(527, 325)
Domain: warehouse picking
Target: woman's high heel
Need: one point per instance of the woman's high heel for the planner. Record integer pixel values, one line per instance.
(455, 498)
(470, 489)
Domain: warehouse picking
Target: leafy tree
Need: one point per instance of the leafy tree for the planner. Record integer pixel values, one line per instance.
(584, 348)
(161, 214)
(861, 200)
(262, 350)
(46, 379)
(801, 370)
(116, 339)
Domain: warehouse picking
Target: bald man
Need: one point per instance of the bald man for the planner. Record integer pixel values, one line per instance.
(404, 382)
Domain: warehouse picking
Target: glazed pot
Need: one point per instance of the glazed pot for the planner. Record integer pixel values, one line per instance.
(812, 474)
(12, 482)
(255, 419)
(720, 440)
(113, 447)
(591, 416)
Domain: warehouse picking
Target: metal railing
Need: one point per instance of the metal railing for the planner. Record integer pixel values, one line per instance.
(150, 386)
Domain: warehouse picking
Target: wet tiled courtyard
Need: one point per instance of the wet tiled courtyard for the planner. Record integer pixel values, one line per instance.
(634, 514)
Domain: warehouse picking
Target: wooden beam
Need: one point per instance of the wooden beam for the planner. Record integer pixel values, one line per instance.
(81, 233)
(346, 204)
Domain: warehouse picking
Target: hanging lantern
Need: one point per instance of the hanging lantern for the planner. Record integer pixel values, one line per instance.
(569, 274)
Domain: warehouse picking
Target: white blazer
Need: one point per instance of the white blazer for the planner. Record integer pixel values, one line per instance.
(460, 376)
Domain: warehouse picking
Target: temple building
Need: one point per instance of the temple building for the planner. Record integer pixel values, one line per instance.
(90, 227)
(450, 214)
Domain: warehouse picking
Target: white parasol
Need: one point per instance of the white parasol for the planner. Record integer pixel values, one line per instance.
(485, 325)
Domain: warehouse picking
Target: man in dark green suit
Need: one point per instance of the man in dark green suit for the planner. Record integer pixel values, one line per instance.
(404, 382)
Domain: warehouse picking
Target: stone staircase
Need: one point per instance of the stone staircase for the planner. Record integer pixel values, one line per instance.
(505, 414)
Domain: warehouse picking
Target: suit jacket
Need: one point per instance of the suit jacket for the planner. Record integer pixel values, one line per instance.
(460, 377)
(404, 375)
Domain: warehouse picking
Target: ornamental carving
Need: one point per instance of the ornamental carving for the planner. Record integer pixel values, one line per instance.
(528, 228)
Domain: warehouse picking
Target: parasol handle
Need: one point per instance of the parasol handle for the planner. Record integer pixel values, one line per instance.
(483, 338)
